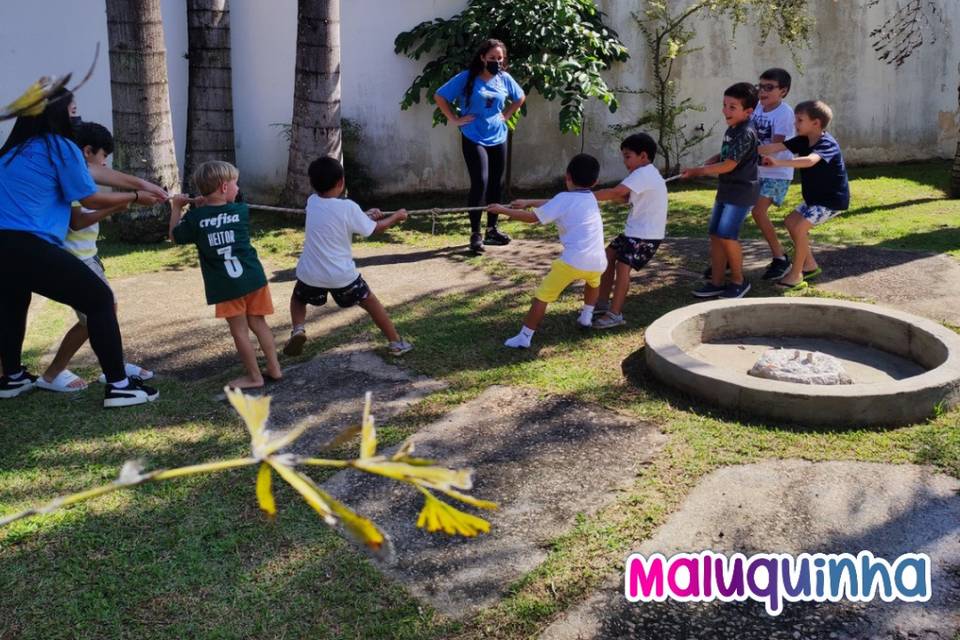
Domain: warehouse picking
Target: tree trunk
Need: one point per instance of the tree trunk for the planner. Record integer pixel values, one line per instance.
(142, 129)
(315, 129)
(210, 92)
(955, 174)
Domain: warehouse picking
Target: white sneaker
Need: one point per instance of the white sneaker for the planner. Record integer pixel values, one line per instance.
(294, 346)
(133, 394)
(518, 341)
(399, 348)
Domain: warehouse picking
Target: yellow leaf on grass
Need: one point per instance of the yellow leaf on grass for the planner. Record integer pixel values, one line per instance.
(264, 493)
(438, 515)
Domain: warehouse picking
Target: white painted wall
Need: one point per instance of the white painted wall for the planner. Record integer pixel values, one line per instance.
(882, 114)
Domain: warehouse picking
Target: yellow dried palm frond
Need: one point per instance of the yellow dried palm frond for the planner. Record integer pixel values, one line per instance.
(440, 516)
(368, 433)
(264, 492)
(254, 410)
(430, 476)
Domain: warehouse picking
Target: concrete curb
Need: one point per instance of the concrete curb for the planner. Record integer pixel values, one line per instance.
(905, 401)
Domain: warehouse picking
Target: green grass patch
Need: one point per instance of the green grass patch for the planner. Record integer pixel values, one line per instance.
(196, 558)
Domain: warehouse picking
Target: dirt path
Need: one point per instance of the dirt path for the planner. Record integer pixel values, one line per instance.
(168, 327)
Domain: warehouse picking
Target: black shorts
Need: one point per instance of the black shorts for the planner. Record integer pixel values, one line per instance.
(355, 292)
(634, 251)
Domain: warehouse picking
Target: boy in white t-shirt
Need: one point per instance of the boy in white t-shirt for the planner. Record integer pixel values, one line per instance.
(326, 264)
(646, 226)
(577, 216)
(774, 121)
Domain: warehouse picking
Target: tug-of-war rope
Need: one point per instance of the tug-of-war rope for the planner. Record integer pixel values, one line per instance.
(433, 212)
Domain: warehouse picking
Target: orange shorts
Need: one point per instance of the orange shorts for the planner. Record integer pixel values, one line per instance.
(255, 303)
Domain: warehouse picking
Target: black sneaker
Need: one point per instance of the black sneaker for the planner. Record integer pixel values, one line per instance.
(736, 290)
(134, 393)
(495, 237)
(10, 388)
(709, 290)
(777, 268)
(476, 243)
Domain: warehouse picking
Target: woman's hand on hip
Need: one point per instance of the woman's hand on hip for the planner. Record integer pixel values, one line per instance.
(463, 120)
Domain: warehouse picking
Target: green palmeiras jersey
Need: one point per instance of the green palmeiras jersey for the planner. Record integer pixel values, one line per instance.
(228, 262)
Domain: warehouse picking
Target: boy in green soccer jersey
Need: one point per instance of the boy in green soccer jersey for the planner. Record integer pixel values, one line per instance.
(233, 277)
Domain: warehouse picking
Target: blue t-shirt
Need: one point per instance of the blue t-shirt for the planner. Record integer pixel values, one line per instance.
(825, 183)
(38, 185)
(486, 104)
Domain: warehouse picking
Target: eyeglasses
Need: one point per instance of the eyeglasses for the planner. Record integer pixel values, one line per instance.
(767, 86)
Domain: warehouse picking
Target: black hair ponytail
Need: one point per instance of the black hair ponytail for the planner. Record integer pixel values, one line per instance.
(477, 65)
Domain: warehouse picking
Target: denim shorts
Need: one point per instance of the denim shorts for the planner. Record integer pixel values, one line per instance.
(775, 189)
(726, 219)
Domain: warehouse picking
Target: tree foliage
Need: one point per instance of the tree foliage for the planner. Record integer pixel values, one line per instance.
(668, 34)
(557, 48)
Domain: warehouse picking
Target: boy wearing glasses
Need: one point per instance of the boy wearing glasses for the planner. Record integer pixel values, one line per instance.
(774, 121)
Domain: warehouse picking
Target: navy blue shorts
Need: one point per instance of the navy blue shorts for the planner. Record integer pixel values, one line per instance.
(355, 292)
(635, 252)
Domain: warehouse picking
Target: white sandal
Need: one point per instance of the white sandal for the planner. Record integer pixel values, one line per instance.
(62, 382)
(131, 370)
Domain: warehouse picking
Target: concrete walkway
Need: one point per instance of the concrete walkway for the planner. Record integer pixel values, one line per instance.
(542, 459)
(794, 506)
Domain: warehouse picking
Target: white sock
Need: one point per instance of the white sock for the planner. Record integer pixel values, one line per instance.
(521, 340)
(586, 314)
(123, 384)
(298, 328)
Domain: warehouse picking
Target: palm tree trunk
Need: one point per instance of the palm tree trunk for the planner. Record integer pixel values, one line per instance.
(315, 129)
(210, 92)
(142, 128)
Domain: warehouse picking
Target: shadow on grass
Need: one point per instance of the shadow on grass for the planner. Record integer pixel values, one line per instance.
(941, 240)
(196, 558)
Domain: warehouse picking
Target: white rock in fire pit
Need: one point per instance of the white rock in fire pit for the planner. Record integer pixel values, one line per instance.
(805, 367)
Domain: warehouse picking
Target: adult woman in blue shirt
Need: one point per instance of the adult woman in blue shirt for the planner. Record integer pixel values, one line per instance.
(476, 101)
(42, 172)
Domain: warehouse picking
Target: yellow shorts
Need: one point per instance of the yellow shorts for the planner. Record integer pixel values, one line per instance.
(560, 276)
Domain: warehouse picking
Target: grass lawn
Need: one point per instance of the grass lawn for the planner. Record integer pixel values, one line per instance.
(195, 558)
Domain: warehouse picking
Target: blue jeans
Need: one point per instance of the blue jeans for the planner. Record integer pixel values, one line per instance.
(726, 219)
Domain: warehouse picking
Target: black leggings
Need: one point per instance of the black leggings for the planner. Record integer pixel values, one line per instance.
(32, 265)
(485, 165)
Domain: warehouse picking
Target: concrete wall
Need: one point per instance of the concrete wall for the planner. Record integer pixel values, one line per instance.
(882, 114)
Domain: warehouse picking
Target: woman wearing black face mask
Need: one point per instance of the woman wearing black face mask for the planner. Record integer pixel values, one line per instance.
(480, 94)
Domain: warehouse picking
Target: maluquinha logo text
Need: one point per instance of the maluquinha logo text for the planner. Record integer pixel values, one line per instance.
(775, 578)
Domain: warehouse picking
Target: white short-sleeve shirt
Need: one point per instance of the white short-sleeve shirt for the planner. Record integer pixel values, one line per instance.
(577, 216)
(648, 201)
(779, 122)
(327, 258)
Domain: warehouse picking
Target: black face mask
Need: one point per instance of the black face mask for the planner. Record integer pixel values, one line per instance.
(493, 66)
